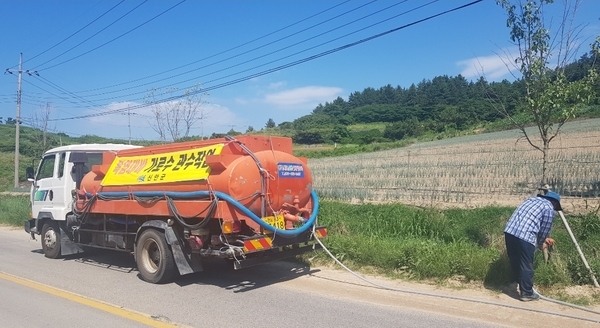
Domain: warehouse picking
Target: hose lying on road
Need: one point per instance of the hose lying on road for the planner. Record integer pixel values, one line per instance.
(464, 298)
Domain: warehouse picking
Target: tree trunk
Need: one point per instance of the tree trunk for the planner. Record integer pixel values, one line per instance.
(544, 162)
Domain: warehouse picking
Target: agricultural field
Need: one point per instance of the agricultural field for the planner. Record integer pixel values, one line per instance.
(499, 168)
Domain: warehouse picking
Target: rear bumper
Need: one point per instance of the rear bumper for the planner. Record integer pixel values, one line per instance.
(275, 247)
(273, 255)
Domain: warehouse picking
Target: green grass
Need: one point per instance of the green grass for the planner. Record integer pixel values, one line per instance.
(463, 244)
(349, 149)
(14, 210)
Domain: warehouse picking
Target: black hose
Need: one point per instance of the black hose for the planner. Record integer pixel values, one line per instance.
(82, 216)
(181, 219)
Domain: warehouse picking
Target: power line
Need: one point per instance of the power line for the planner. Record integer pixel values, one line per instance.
(228, 50)
(267, 54)
(260, 57)
(80, 43)
(354, 9)
(15, 66)
(52, 93)
(44, 80)
(288, 65)
(79, 30)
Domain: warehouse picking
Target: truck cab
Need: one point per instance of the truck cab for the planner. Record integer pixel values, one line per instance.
(53, 184)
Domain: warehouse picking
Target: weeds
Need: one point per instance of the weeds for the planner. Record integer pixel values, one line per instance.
(455, 243)
(14, 210)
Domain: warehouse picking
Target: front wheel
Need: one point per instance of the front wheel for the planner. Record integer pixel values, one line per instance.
(154, 257)
(51, 240)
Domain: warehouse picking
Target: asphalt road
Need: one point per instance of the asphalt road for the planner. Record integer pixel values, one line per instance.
(99, 289)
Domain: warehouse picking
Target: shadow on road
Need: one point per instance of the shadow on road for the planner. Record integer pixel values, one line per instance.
(217, 272)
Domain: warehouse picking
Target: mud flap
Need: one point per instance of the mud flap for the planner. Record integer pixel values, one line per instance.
(67, 246)
(186, 263)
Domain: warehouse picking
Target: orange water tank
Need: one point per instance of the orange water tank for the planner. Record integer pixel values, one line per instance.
(260, 172)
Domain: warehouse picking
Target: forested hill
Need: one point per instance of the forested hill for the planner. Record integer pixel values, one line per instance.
(440, 106)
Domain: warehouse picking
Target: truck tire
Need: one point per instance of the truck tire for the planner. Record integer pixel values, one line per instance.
(154, 257)
(51, 240)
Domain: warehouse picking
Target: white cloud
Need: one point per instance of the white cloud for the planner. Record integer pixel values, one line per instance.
(115, 106)
(216, 118)
(242, 101)
(303, 96)
(277, 85)
(493, 67)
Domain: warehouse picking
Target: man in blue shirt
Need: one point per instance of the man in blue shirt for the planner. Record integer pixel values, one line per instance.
(528, 228)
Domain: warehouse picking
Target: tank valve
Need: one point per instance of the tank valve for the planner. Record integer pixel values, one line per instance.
(292, 218)
(195, 242)
(293, 212)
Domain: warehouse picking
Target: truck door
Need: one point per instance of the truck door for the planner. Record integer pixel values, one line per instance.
(42, 193)
(61, 188)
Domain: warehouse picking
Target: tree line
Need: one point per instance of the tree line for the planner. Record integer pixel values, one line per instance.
(442, 105)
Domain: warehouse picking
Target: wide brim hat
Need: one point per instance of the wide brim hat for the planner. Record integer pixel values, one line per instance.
(554, 198)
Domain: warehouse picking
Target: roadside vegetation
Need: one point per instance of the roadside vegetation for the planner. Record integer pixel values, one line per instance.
(464, 245)
(14, 210)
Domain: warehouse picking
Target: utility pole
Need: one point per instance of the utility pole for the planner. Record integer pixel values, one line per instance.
(129, 123)
(18, 119)
(20, 71)
(18, 123)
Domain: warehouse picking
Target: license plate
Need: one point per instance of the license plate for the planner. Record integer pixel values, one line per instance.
(275, 221)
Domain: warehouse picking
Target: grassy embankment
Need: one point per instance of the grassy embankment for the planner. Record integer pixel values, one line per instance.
(430, 244)
(458, 244)
(14, 210)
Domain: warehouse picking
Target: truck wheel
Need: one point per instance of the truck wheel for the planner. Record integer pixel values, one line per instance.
(51, 240)
(154, 257)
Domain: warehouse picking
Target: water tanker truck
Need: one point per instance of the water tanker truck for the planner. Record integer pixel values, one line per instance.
(246, 199)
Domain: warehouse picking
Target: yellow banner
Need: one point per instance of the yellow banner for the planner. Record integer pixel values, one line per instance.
(184, 165)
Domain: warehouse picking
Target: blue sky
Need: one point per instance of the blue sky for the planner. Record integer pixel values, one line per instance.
(96, 56)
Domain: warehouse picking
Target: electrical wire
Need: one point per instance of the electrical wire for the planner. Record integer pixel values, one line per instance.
(45, 81)
(224, 51)
(82, 42)
(278, 68)
(184, 81)
(79, 30)
(263, 55)
(249, 51)
(114, 39)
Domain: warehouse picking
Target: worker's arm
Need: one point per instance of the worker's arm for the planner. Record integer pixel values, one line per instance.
(545, 227)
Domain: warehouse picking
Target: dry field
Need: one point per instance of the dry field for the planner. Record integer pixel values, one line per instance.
(487, 169)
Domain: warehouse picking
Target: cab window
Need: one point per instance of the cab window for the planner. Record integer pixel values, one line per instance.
(94, 159)
(61, 165)
(46, 167)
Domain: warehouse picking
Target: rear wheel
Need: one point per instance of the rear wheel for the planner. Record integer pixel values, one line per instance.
(51, 240)
(154, 257)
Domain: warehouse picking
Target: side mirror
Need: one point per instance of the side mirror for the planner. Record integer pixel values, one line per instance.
(30, 173)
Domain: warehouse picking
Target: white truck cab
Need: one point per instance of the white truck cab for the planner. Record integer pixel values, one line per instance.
(55, 180)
